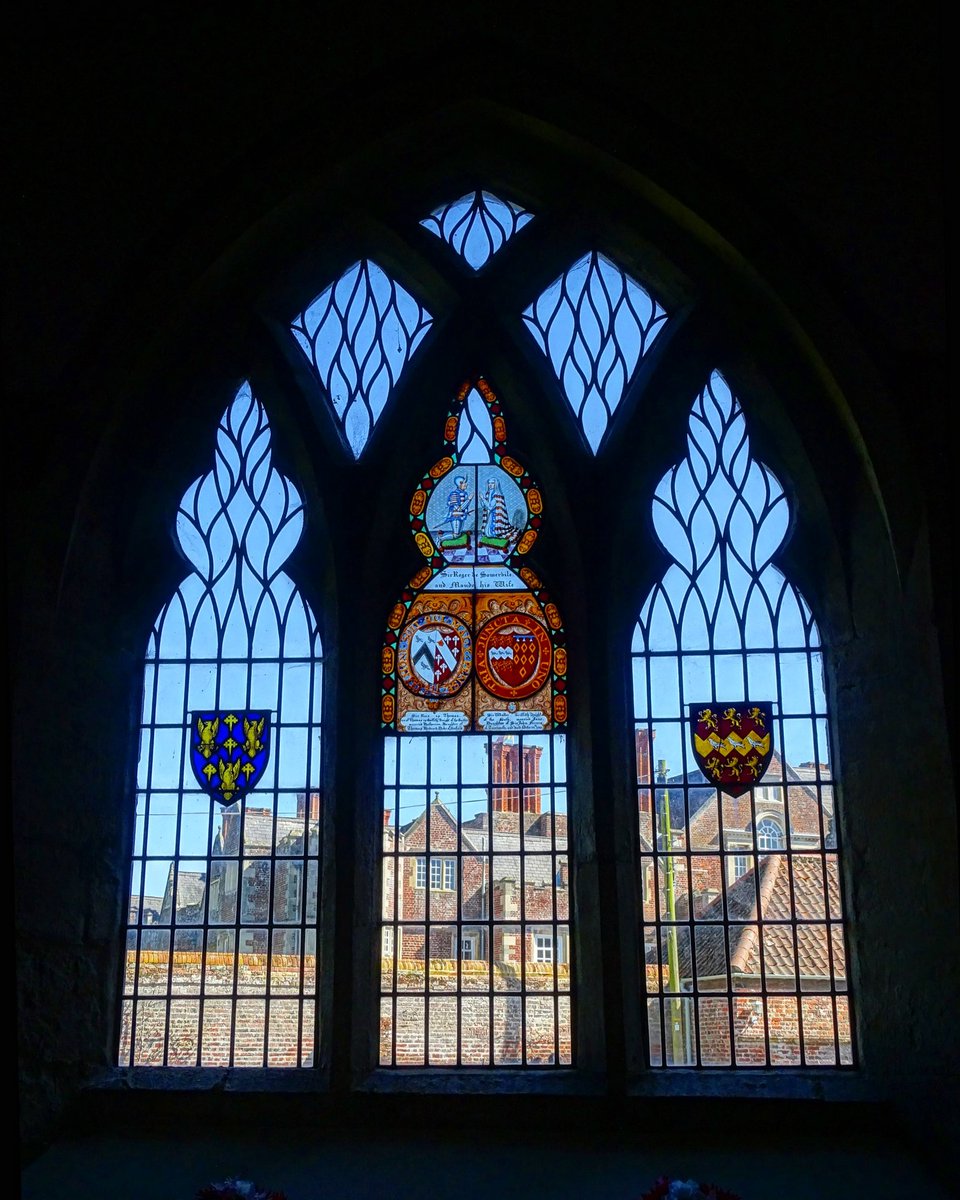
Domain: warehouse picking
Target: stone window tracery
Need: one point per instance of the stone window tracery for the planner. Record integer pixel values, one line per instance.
(739, 876)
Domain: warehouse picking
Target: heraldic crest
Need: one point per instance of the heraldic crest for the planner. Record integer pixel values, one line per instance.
(229, 749)
(732, 743)
(474, 643)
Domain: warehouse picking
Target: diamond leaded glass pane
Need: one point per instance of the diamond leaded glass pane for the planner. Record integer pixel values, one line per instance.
(594, 324)
(358, 336)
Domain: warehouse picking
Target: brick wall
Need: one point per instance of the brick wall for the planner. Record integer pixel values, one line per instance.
(493, 1026)
(790, 1020)
(200, 1034)
(169, 1015)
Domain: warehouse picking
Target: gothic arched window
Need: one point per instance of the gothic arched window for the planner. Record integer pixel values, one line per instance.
(441, 398)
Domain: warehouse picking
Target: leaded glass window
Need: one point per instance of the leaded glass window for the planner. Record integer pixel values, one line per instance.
(474, 702)
(221, 949)
(744, 954)
(741, 936)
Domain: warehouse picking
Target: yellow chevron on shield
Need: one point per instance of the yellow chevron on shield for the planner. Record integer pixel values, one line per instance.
(732, 743)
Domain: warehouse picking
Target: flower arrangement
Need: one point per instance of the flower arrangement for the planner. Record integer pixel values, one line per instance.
(687, 1189)
(237, 1189)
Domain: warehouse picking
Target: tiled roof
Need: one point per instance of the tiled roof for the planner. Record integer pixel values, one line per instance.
(191, 889)
(752, 914)
(191, 886)
(537, 871)
(475, 834)
(509, 842)
(438, 812)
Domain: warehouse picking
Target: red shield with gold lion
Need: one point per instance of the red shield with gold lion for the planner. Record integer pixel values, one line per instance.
(732, 743)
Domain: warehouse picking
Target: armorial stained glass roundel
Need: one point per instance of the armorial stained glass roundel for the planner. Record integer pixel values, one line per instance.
(434, 655)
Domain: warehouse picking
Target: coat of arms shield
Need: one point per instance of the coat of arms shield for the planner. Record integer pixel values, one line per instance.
(732, 743)
(513, 655)
(229, 749)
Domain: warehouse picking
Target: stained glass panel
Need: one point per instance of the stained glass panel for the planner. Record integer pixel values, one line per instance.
(475, 642)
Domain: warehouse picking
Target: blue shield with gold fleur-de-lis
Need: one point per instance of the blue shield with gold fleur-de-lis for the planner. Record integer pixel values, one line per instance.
(229, 749)
(732, 743)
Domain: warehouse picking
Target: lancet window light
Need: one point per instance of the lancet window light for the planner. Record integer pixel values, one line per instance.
(744, 955)
(221, 952)
(474, 701)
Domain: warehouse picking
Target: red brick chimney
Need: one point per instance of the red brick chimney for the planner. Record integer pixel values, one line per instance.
(506, 777)
(644, 775)
(314, 805)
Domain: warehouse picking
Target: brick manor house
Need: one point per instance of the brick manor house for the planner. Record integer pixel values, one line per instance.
(476, 874)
